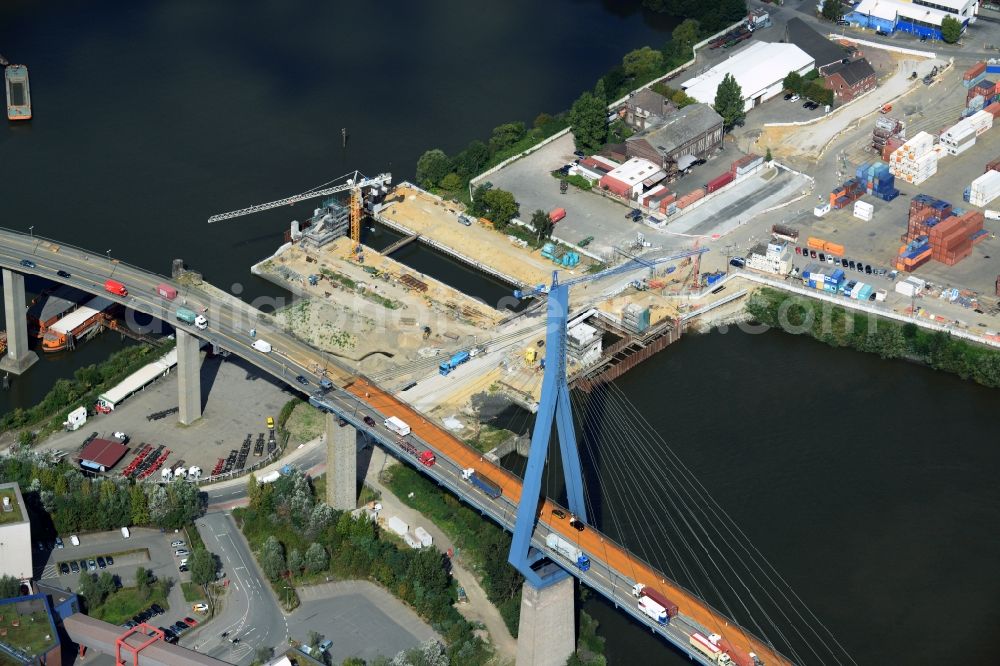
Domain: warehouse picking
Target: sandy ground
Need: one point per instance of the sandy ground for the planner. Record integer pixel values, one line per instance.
(423, 214)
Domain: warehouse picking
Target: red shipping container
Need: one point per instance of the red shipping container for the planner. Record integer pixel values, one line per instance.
(720, 182)
(666, 201)
(994, 109)
(974, 71)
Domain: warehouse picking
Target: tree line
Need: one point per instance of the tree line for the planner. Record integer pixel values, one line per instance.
(298, 540)
(839, 327)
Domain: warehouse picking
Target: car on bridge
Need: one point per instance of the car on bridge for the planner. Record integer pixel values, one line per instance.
(302, 380)
(63, 274)
(27, 263)
(369, 421)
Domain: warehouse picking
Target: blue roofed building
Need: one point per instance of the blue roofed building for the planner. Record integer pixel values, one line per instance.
(919, 17)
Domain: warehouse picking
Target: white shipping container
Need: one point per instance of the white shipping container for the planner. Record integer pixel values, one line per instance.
(412, 541)
(820, 211)
(397, 525)
(919, 283)
(961, 147)
(863, 207)
(958, 132)
(992, 214)
(880, 295)
(906, 288)
(863, 215)
(981, 121)
(426, 540)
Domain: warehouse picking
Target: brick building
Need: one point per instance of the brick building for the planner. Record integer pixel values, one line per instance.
(849, 80)
(647, 109)
(687, 134)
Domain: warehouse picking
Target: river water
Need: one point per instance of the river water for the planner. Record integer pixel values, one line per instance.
(869, 485)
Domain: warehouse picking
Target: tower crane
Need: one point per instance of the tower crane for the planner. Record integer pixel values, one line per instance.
(554, 405)
(354, 182)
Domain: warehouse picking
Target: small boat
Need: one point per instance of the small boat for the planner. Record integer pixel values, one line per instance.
(18, 94)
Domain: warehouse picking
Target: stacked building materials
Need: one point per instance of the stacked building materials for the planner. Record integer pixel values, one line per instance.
(916, 160)
(823, 278)
(952, 239)
(746, 164)
(985, 189)
(886, 129)
(846, 194)
(863, 210)
(974, 74)
(690, 198)
(878, 181)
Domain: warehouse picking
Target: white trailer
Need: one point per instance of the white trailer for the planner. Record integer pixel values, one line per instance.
(397, 425)
(426, 540)
(397, 526)
(653, 610)
(568, 550)
(270, 477)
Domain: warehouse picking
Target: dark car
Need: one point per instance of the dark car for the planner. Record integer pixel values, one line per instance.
(579, 153)
(63, 568)
(27, 263)
(738, 262)
(788, 96)
(868, 269)
(179, 627)
(101, 563)
(822, 257)
(559, 513)
(63, 274)
(302, 380)
(881, 33)
(74, 567)
(83, 565)
(182, 568)
(871, 296)
(812, 106)
(138, 619)
(861, 267)
(850, 263)
(156, 609)
(812, 253)
(110, 560)
(577, 524)
(369, 421)
(843, 263)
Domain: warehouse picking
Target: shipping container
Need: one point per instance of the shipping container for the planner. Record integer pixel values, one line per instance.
(639, 590)
(166, 291)
(719, 182)
(815, 243)
(834, 248)
(973, 72)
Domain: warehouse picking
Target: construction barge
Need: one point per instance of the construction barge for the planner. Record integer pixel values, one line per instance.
(18, 92)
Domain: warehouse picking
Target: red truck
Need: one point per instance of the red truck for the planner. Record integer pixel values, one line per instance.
(557, 214)
(639, 590)
(166, 291)
(428, 458)
(115, 287)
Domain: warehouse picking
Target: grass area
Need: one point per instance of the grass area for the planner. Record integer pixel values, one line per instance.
(305, 423)
(33, 633)
(489, 438)
(193, 538)
(192, 592)
(126, 602)
(15, 515)
(368, 494)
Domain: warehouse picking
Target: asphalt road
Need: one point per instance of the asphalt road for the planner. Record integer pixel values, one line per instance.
(249, 611)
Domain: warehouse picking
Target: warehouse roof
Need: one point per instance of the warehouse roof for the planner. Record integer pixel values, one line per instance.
(819, 48)
(889, 10)
(755, 68)
(635, 171)
(139, 379)
(104, 452)
(853, 72)
(681, 127)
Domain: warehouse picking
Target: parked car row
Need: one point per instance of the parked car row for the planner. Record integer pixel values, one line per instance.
(808, 104)
(844, 262)
(92, 564)
(144, 616)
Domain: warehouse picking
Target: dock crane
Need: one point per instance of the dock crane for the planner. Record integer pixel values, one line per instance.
(355, 182)
(554, 405)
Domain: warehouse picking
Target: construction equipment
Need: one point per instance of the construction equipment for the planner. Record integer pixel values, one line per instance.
(353, 182)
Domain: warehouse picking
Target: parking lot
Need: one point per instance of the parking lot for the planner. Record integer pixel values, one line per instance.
(237, 400)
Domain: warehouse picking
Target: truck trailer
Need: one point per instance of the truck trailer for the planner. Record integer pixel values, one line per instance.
(569, 551)
(489, 488)
(166, 291)
(452, 363)
(639, 591)
(706, 647)
(397, 425)
(653, 610)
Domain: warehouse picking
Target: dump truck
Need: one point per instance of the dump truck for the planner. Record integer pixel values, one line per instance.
(452, 363)
(639, 591)
(568, 551)
(190, 317)
(489, 488)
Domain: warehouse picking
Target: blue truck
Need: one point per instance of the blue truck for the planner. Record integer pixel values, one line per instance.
(489, 488)
(452, 363)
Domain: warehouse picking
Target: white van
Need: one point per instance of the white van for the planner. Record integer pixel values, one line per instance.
(125, 533)
(75, 540)
(262, 346)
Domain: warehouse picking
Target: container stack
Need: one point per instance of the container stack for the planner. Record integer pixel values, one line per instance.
(690, 198)
(863, 211)
(974, 75)
(720, 181)
(878, 181)
(925, 212)
(952, 239)
(746, 164)
(822, 278)
(985, 89)
(886, 129)
(914, 254)
(847, 193)
(985, 189)
(916, 160)
(992, 66)
(993, 109)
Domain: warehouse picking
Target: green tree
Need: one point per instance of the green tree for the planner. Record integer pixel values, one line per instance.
(202, 567)
(833, 10)
(951, 29)
(316, 558)
(139, 509)
(272, 558)
(767, 156)
(729, 101)
(432, 166)
(601, 92)
(87, 588)
(642, 62)
(680, 48)
(541, 120)
(542, 223)
(142, 583)
(589, 121)
(506, 135)
(295, 562)
(615, 82)
(10, 587)
(500, 207)
(472, 160)
(452, 182)
(793, 82)
(105, 586)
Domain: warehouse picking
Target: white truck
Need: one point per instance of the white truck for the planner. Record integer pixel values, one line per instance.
(397, 425)
(653, 610)
(568, 550)
(708, 648)
(262, 346)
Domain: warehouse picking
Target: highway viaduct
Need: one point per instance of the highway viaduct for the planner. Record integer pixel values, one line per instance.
(547, 635)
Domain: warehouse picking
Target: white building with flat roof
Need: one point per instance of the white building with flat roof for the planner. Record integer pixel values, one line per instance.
(15, 534)
(760, 69)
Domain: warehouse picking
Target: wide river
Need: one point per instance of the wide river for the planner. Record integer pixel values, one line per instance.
(870, 486)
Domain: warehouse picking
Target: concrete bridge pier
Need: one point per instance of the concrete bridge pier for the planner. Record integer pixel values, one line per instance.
(546, 634)
(341, 464)
(18, 358)
(188, 378)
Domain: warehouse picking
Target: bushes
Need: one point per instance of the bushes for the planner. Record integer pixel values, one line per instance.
(839, 327)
